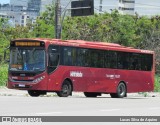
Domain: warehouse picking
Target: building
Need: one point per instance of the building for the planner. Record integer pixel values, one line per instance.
(126, 6)
(101, 6)
(45, 3)
(23, 3)
(13, 13)
(22, 12)
(142, 7)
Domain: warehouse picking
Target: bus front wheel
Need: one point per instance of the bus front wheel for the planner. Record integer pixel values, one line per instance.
(66, 89)
(121, 91)
(34, 93)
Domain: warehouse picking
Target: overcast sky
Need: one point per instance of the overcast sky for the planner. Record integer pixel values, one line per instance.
(143, 7)
(4, 1)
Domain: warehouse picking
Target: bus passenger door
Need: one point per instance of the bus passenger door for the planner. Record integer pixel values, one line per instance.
(53, 62)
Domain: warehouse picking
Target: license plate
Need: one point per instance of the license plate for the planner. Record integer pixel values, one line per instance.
(21, 85)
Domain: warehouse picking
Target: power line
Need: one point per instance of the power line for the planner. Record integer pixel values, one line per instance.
(66, 6)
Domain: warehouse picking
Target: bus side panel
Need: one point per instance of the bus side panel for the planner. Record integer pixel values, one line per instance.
(137, 81)
(84, 79)
(94, 80)
(56, 79)
(102, 81)
(79, 76)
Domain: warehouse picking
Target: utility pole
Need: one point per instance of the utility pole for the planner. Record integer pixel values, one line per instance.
(100, 6)
(57, 19)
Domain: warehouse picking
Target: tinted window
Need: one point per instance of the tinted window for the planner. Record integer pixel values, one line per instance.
(135, 61)
(69, 56)
(112, 59)
(82, 57)
(53, 59)
(147, 61)
(123, 60)
(72, 56)
(95, 58)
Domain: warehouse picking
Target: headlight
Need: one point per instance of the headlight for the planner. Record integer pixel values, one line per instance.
(38, 79)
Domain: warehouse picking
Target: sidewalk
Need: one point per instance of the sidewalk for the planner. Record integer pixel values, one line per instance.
(12, 92)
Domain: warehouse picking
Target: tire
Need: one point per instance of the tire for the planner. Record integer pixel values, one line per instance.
(91, 94)
(121, 91)
(34, 93)
(66, 89)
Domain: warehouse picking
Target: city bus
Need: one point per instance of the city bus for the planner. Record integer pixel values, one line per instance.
(64, 66)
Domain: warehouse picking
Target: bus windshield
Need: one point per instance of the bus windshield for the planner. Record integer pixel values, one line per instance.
(27, 59)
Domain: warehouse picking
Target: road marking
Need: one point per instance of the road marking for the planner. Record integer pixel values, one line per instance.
(48, 113)
(154, 108)
(109, 110)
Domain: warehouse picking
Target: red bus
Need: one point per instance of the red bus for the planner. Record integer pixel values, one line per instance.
(51, 65)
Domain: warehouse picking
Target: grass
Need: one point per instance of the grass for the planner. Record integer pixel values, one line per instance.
(157, 83)
(3, 74)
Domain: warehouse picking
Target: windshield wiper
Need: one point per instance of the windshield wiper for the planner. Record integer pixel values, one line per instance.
(18, 53)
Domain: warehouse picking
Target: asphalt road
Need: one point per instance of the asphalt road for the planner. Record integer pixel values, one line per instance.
(79, 106)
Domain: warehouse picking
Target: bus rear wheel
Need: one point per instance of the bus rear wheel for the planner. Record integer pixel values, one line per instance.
(121, 91)
(91, 94)
(66, 89)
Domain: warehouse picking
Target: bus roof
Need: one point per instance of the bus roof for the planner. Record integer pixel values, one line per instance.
(88, 44)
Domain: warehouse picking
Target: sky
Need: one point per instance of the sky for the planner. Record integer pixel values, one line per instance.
(4, 1)
(143, 7)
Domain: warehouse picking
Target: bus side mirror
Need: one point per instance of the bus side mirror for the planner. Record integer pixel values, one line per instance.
(6, 55)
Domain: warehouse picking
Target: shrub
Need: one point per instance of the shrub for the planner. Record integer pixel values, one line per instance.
(157, 83)
(3, 74)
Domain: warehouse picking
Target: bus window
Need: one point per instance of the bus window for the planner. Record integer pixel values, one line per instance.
(27, 60)
(135, 61)
(82, 55)
(54, 58)
(69, 54)
(112, 59)
(97, 58)
(146, 60)
(123, 60)
(106, 64)
(149, 62)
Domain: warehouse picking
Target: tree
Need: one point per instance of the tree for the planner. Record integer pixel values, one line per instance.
(44, 26)
(3, 39)
(149, 30)
(103, 27)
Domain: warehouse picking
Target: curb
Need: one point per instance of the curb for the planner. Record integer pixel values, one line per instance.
(4, 91)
